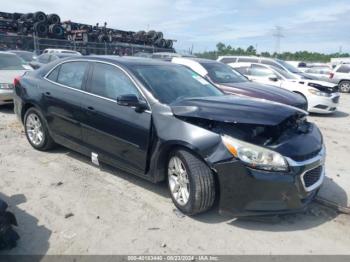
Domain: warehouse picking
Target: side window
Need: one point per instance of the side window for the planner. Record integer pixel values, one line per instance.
(257, 70)
(344, 69)
(248, 59)
(54, 74)
(271, 63)
(72, 73)
(109, 81)
(44, 58)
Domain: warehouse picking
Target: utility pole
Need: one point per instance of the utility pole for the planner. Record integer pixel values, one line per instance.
(278, 35)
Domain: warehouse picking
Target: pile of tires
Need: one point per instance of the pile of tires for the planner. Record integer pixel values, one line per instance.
(8, 236)
(155, 38)
(40, 24)
(50, 26)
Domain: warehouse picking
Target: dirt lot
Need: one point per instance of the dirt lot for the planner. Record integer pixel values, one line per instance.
(65, 205)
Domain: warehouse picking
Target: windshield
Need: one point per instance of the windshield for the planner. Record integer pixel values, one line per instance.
(170, 83)
(285, 74)
(289, 67)
(11, 62)
(221, 73)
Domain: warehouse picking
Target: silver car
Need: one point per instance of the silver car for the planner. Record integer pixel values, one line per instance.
(11, 66)
(341, 76)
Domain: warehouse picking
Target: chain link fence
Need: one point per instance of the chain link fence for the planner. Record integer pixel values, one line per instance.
(38, 45)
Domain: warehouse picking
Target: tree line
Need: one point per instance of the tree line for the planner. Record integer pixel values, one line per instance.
(222, 49)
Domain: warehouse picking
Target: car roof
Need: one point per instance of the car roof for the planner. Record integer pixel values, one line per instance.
(198, 60)
(126, 61)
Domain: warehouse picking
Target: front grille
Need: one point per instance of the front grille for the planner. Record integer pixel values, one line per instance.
(306, 157)
(312, 176)
(336, 99)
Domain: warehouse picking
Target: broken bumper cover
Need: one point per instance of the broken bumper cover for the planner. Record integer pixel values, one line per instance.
(245, 191)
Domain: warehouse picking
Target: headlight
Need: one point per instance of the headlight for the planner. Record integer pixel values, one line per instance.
(255, 156)
(319, 93)
(6, 86)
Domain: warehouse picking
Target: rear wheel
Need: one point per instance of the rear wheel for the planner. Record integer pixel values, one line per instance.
(36, 130)
(191, 183)
(344, 86)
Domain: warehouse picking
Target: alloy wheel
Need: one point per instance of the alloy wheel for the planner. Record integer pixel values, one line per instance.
(178, 181)
(34, 129)
(345, 87)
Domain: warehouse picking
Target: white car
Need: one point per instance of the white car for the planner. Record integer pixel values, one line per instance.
(278, 63)
(11, 66)
(341, 76)
(322, 97)
(61, 51)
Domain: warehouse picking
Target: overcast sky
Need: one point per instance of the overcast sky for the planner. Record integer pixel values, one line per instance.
(314, 25)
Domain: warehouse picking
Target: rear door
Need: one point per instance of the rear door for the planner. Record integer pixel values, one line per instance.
(118, 134)
(343, 72)
(62, 96)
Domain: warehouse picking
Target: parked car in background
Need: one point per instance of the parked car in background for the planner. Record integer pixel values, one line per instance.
(321, 72)
(48, 58)
(280, 64)
(322, 97)
(167, 56)
(25, 55)
(61, 51)
(11, 66)
(232, 82)
(341, 76)
(163, 121)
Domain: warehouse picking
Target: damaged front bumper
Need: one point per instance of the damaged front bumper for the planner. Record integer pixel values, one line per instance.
(245, 191)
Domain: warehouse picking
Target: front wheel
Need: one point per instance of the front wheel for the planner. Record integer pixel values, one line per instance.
(36, 130)
(191, 183)
(344, 86)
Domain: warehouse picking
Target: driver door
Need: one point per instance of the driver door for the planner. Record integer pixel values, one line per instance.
(118, 134)
(263, 75)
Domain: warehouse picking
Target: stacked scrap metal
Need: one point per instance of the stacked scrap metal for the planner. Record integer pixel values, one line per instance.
(8, 237)
(50, 26)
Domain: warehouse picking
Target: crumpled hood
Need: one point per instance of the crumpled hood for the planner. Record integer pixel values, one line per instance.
(267, 92)
(7, 76)
(318, 84)
(231, 109)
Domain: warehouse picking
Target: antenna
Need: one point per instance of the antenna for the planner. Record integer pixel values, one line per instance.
(278, 35)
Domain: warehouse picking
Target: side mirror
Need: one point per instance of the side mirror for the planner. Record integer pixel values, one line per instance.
(273, 78)
(131, 100)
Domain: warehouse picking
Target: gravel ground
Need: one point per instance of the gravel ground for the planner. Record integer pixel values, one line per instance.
(65, 205)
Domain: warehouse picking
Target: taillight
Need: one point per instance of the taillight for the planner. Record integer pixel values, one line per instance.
(16, 81)
(331, 75)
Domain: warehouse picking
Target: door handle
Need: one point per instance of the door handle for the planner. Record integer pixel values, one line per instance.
(47, 94)
(90, 108)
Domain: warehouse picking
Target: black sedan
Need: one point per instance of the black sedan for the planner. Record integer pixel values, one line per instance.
(163, 121)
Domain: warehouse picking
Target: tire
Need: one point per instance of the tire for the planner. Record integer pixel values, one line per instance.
(40, 17)
(200, 188)
(53, 19)
(46, 142)
(169, 43)
(344, 86)
(41, 28)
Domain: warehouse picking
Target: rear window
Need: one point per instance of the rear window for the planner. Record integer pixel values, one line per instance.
(248, 59)
(227, 60)
(220, 73)
(11, 62)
